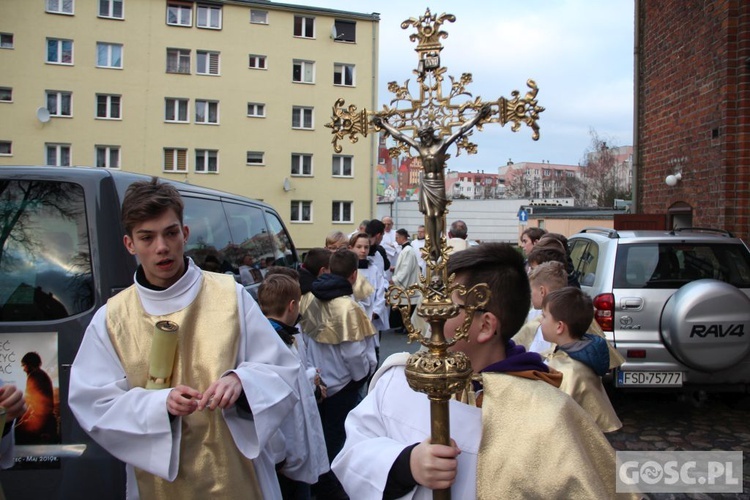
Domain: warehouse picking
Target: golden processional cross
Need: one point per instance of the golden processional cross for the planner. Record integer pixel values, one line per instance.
(430, 124)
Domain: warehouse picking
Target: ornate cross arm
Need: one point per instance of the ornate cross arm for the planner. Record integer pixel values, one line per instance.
(347, 122)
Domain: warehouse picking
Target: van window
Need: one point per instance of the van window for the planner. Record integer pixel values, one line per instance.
(253, 245)
(284, 250)
(585, 257)
(209, 243)
(45, 260)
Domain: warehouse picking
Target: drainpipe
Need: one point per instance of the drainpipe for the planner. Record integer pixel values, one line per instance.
(374, 141)
(636, 108)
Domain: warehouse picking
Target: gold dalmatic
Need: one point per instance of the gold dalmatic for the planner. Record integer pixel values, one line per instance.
(210, 463)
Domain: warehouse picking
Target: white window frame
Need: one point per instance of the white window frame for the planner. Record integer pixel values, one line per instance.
(256, 110)
(107, 9)
(338, 209)
(60, 97)
(256, 13)
(340, 74)
(338, 164)
(9, 145)
(110, 55)
(207, 106)
(174, 104)
(297, 208)
(210, 64)
(306, 70)
(6, 40)
(257, 61)
(213, 17)
(180, 12)
(111, 156)
(171, 160)
(61, 50)
(305, 30)
(203, 161)
(300, 115)
(112, 102)
(65, 7)
(6, 91)
(182, 61)
(60, 150)
(255, 155)
(303, 168)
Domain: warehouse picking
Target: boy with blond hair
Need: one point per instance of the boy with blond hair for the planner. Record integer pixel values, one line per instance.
(581, 357)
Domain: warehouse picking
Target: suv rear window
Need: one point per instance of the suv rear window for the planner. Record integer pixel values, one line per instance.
(671, 265)
(45, 260)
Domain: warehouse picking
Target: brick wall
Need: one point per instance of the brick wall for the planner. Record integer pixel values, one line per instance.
(694, 109)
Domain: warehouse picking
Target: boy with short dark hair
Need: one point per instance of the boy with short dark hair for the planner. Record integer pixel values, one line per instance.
(581, 357)
(496, 453)
(342, 345)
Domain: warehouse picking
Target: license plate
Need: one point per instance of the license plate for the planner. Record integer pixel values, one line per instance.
(649, 379)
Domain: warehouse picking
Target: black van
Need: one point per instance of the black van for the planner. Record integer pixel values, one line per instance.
(61, 258)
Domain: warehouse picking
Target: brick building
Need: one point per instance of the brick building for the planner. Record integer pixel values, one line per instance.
(692, 117)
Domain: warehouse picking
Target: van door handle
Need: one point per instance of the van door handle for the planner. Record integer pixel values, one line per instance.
(631, 304)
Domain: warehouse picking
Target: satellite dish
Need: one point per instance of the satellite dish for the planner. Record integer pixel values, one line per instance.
(334, 33)
(42, 114)
(287, 185)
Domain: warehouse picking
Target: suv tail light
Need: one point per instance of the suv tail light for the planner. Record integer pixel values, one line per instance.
(604, 311)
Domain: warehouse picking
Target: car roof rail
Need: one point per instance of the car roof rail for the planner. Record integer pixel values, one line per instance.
(611, 233)
(702, 230)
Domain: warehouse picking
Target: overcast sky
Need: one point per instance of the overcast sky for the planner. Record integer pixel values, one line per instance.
(580, 52)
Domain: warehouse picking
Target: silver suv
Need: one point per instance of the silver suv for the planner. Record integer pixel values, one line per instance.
(674, 303)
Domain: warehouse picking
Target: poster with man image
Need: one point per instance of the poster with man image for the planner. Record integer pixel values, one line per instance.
(29, 361)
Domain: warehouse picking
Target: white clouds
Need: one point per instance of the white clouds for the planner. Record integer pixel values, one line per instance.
(580, 53)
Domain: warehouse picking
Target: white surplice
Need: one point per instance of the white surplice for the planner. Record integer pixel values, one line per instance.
(133, 423)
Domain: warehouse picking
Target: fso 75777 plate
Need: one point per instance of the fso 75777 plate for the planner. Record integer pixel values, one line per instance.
(649, 379)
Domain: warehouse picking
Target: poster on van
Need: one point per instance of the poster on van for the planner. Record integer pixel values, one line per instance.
(29, 361)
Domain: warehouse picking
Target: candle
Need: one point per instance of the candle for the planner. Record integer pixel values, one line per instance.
(161, 360)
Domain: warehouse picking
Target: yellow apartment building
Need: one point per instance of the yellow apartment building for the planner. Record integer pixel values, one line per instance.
(232, 95)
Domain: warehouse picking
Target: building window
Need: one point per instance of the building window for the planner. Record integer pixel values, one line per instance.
(301, 164)
(175, 160)
(546, 173)
(255, 158)
(58, 155)
(108, 55)
(341, 166)
(178, 61)
(208, 17)
(60, 6)
(346, 31)
(206, 160)
(257, 62)
(176, 110)
(303, 71)
(302, 117)
(108, 156)
(206, 112)
(179, 14)
(59, 51)
(301, 211)
(343, 74)
(6, 94)
(111, 8)
(59, 103)
(206, 63)
(6, 148)
(6, 40)
(304, 27)
(108, 106)
(258, 16)
(256, 109)
(342, 211)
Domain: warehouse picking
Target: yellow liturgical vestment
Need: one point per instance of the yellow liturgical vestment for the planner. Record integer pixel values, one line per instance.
(207, 347)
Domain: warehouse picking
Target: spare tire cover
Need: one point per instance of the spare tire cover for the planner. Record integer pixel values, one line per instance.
(706, 325)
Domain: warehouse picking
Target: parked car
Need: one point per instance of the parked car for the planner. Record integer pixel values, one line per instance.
(674, 303)
(61, 258)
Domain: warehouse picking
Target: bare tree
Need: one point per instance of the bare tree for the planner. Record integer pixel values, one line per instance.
(600, 171)
(520, 185)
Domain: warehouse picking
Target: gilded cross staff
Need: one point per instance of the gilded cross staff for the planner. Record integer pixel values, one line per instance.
(430, 124)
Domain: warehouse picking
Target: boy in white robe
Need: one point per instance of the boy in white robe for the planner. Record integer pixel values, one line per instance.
(233, 379)
(528, 440)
